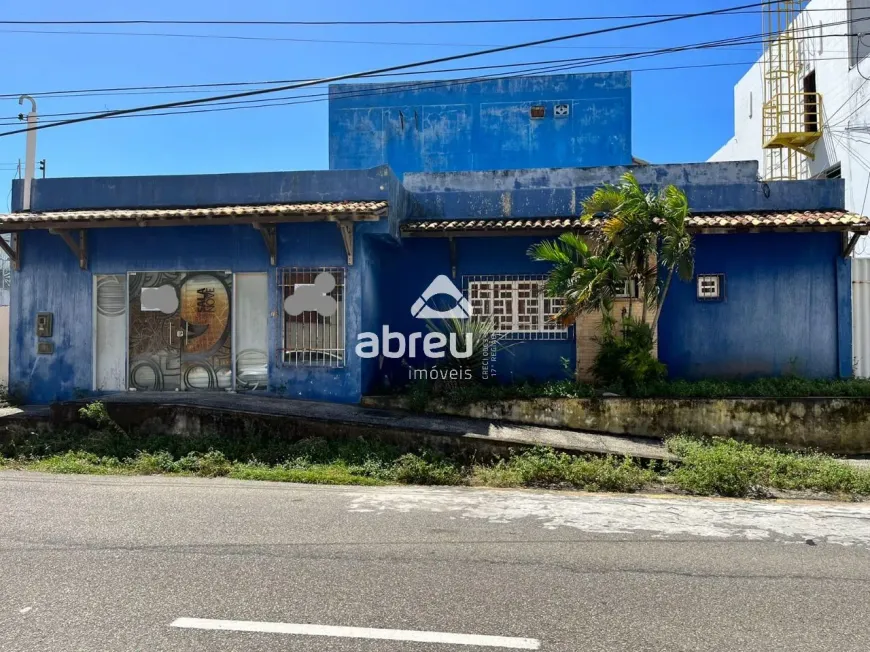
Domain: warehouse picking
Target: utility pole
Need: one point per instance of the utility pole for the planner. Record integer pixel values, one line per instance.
(30, 156)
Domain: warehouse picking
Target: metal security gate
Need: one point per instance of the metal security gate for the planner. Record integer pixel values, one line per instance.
(861, 316)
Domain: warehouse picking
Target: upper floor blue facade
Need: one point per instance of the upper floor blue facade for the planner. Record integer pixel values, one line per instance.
(554, 121)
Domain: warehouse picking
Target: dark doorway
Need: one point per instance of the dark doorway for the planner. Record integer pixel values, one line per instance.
(811, 104)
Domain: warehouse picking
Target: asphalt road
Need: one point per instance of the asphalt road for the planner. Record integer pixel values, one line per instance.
(111, 563)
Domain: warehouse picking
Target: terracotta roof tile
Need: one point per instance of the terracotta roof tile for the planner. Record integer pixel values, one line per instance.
(144, 214)
(701, 222)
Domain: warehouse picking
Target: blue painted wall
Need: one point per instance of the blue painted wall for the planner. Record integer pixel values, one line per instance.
(407, 271)
(483, 125)
(565, 202)
(50, 280)
(782, 313)
(209, 189)
(788, 296)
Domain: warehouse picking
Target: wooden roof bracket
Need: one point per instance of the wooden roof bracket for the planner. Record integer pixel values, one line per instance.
(849, 243)
(346, 230)
(270, 238)
(12, 249)
(79, 249)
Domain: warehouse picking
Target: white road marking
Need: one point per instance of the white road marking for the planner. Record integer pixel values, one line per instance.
(25, 610)
(359, 632)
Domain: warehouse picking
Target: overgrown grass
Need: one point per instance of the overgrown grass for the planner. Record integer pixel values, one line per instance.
(787, 387)
(726, 467)
(539, 467)
(543, 467)
(715, 467)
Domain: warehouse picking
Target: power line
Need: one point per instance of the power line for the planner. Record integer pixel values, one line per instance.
(467, 55)
(182, 88)
(479, 21)
(379, 90)
(324, 96)
(569, 63)
(175, 88)
(393, 88)
(846, 117)
(575, 62)
(233, 37)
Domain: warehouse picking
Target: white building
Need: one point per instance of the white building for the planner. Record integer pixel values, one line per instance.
(832, 41)
(830, 46)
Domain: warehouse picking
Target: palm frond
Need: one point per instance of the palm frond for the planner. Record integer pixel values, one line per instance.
(604, 201)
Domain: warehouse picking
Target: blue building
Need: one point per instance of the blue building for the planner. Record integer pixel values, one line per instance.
(512, 123)
(272, 281)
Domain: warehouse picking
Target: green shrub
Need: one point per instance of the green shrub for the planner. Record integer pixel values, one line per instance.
(319, 474)
(152, 463)
(729, 468)
(79, 462)
(726, 467)
(414, 469)
(311, 450)
(97, 414)
(609, 474)
(208, 465)
(627, 361)
(501, 474)
(544, 467)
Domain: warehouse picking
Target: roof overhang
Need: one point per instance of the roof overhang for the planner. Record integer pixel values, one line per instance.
(342, 211)
(718, 223)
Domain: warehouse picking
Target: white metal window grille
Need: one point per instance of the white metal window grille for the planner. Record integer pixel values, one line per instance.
(710, 287)
(311, 338)
(561, 111)
(517, 305)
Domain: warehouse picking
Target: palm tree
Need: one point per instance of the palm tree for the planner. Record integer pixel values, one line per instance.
(634, 227)
(642, 226)
(677, 253)
(588, 281)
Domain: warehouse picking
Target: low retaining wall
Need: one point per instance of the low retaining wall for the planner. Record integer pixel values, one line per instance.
(184, 420)
(833, 425)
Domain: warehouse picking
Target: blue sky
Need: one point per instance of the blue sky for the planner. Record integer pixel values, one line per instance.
(679, 115)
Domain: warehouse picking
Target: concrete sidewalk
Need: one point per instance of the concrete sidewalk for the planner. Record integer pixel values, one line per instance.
(469, 430)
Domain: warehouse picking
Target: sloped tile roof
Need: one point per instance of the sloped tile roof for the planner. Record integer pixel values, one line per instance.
(835, 219)
(792, 218)
(334, 208)
(491, 225)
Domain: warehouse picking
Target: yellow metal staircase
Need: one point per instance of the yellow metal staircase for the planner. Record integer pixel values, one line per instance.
(792, 113)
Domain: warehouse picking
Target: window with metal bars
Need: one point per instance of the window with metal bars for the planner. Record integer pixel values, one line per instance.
(313, 337)
(518, 306)
(711, 287)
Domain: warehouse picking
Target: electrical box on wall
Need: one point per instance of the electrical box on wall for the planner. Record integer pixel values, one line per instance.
(44, 322)
(45, 348)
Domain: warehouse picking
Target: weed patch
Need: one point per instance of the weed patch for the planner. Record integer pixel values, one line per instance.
(715, 467)
(544, 467)
(425, 469)
(726, 467)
